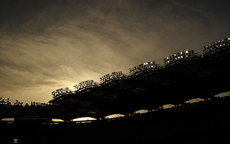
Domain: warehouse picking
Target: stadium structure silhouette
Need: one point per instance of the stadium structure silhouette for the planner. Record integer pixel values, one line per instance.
(184, 76)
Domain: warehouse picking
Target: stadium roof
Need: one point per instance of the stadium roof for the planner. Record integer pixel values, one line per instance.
(200, 76)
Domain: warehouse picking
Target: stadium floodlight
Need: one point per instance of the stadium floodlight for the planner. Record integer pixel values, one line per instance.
(114, 76)
(86, 84)
(5, 101)
(61, 91)
(180, 56)
(216, 47)
(143, 67)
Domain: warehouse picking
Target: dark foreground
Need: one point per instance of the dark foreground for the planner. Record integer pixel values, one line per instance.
(205, 122)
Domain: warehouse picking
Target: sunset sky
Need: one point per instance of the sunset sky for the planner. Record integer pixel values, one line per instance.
(50, 44)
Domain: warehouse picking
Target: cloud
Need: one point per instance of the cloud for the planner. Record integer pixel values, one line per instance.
(47, 45)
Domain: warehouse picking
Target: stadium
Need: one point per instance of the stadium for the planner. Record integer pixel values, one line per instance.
(153, 103)
(184, 76)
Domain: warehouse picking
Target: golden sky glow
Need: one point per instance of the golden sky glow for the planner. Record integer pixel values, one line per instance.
(48, 45)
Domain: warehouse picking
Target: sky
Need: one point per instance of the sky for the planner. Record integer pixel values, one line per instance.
(49, 44)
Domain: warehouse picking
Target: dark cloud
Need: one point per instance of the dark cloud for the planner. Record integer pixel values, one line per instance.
(45, 45)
